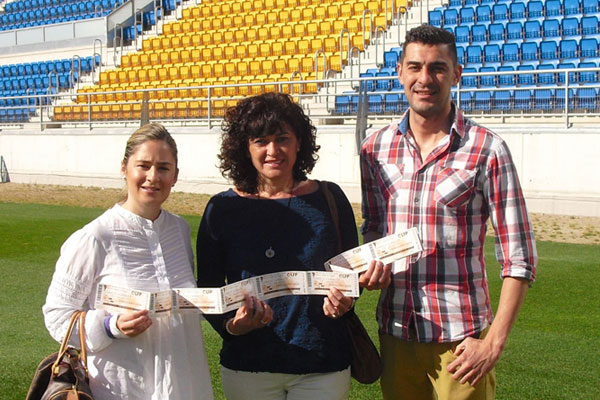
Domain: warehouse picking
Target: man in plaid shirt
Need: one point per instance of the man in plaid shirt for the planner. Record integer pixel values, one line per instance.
(446, 175)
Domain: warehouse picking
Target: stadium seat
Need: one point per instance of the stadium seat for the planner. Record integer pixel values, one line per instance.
(467, 15)
(463, 34)
(522, 100)
(543, 99)
(496, 33)
(561, 76)
(525, 79)
(469, 81)
(500, 12)
(375, 104)
(474, 54)
(342, 104)
(588, 48)
(568, 49)
(392, 103)
(570, 27)
(548, 50)
(483, 13)
(450, 17)
(517, 11)
(529, 51)
(533, 30)
(553, 8)
(590, 6)
(466, 101)
(586, 77)
(487, 80)
(479, 34)
(571, 7)
(483, 101)
(435, 18)
(514, 30)
(589, 25)
(506, 80)
(460, 53)
(535, 9)
(546, 78)
(551, 28)
(586, 99)
(510, 52)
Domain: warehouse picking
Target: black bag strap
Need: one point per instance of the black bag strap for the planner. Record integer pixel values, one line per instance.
(334, 212)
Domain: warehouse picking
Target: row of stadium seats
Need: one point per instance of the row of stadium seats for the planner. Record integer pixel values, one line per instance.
(512, 11)
(568, 28)
(569, 5)
(579, 99)
(25, 70)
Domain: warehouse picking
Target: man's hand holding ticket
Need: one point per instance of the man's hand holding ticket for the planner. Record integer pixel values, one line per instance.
(388, 249)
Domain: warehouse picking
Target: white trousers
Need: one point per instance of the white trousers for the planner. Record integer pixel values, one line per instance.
(242, 385)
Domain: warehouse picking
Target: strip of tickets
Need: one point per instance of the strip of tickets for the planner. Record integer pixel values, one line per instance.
(388, 249)
(342, 273)
(227, 298)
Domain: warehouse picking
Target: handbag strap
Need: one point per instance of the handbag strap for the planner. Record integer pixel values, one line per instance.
(78, 316)
(334, 212)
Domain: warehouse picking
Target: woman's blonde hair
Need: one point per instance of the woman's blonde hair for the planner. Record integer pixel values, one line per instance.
(152, 131)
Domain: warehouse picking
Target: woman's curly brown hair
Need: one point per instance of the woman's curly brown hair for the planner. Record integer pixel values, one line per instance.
(258, 116)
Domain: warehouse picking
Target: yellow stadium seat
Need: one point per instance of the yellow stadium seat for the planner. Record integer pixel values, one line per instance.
(163, 74)
(165, 42)
(265, 50)
(238, 21)
(196, 12)
(294, 65)
(308, 14)
(240, 51)
(142, 75)
(240, 36)
(253, 50)
(357, 41)
(186, 40)
(380, 21)
(229, 52)
(260, 19)
(263, 33)
(281, 3)
(358, 8)
(207, 54)
(170, 108)
(307, 64)
(217, 23)
(303, 46)
(206, 70)
(216, 10)
(132, 75)
(243, 90)
(316, 44)
(96, 114)
(242, 68)
(196, 39)
(205, 11)
(254, 67)
(177, 27)
(195, 71)
(230, 69)
(299, 30)
(186, 27)
(167, 29)
(290, 47)
(155, 44)
(373, 6)
(227, 21)
(196, 26)
(156, 110)
(135, 60)
(333, 12)
(164, 58)
(186, 56)
(354, 25)
(346, 10)
(113, 78)
(206, 39)
(217, 53)
(186, 13)
(295, 15)
(267, 67)
(272, 17)
(147, 45)
(277, 48)
(194, 108)
(152, 75)
(247, 6)
(249, 20)
(280, 66)
(230, 90)
(284, 17)
(174, 57)
(226, 9)
(251, 35)
(173, 73)
(275, 32)
(338, 25)
(312, 29)
(217, 37)
(196, 55)
(125, 61)
(181, 109)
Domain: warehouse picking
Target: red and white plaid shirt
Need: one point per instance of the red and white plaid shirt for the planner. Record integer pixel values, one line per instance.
(443, 295)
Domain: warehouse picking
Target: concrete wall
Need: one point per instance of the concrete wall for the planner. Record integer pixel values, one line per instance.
(558, 168)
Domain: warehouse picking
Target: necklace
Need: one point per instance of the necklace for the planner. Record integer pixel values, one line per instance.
(270, 252)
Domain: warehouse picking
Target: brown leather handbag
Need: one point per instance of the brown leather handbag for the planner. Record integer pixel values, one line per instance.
(365, 366)
(64, 375)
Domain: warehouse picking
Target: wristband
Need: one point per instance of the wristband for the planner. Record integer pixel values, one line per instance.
(107, 327)
(116, 332)
(229, 330)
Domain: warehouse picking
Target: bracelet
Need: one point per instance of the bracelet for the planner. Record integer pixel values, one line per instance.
(229, 330)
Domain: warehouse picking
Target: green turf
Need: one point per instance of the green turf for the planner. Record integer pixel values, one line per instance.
(552, 352)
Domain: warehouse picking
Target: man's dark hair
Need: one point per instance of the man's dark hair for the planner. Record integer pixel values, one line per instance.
(258, 116)
(427, 34)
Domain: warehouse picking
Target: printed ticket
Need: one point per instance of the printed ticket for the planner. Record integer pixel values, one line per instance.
(229, 297)
(388, 249)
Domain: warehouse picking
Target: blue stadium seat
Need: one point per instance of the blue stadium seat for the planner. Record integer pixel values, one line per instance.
(506, 80)
(522, 99)
(588, 76)
(463, 34)
(467, 15)
(450, 17)
(586, 99)
(383, 84)
(466, 101)
(435, 18)
(589, 25)
(342, 104)
(590, 6)
(553, 8)
(533, 30)
(571, 7)
(479, 34)
(483, 13)
(455, 3)
(469, 81)
(483, 101)
(474, 54)
(390, 59)
(548, 50)
(375, 104)
(529, 51)
(491, 53)
(487, 80)
(551, 28)
(460, 53)
(496, 33)
(517, 11)
(543, 99)
(392, 103)
(510, 52)
(546, 78)
(514, 30)
(500, 12)
(588, 48)
(561, 76)
(525, 79)
(568, 49)
(570, 27)
(367, 84)
(535, 9)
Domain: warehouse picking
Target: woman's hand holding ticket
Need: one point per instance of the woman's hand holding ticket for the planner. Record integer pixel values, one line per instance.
(254, 314)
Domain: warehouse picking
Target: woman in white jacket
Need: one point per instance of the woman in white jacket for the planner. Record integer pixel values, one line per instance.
(138, 245)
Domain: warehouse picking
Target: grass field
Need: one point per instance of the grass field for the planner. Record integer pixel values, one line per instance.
(552, 353)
